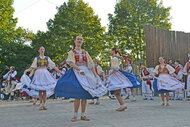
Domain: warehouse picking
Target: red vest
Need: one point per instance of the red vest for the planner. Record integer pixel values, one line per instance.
(84, 58)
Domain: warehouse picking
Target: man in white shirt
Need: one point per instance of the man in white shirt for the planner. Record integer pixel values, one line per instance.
(10, 80)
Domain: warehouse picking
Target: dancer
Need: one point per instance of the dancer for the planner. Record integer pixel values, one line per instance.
(117, 79)
(81, 82)
(179, 72)
(146, 83)
(186, 71)
(42, 80)
(171, 94)
(129, 68)
(164, 82)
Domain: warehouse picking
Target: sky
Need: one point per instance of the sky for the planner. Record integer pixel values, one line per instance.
(33, 14)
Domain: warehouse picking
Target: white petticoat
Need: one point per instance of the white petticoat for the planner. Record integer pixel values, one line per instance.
(188, 85)
(90, 83)
(117, 81)
(42, 80)
(25, 80)
(167, 82)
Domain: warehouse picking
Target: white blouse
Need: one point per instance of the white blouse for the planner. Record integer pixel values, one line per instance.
(115, 63)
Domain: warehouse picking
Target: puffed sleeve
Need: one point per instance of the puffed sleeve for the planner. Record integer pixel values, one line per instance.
(90, 62)
(6, 75)
(156, 69)
(99, 70)
(34, 63)
(51, 64)
(115, 63)
(170, 69)
(71, 57)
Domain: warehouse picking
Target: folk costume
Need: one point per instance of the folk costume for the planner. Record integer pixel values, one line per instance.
(146, 84)
(42, 79)
(179, 94)
(78, 86)
(165, 83)
(120, 79)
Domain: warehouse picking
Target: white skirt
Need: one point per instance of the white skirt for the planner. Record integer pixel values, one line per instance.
(42, 80)
(167, 82)
(90, 83)
(25, 80)
(118, 81)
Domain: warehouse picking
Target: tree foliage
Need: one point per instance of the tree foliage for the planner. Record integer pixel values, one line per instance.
(13, 50)
(73, 18)
(126, 25)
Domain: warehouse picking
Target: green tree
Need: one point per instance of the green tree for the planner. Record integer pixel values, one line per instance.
(7, 22)
(72, 19)
(126, 26)
(13, 49)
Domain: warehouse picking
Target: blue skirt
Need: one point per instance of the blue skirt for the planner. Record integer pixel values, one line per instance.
(68, 86)
(132, 78)
(155, 86)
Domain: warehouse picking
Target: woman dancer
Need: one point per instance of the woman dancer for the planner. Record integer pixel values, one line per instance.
(81, 82)
(165, 80)
(186, 71)
(146, 82)
(179, 72)
(117, 79)
(42, 81)
(129, 68)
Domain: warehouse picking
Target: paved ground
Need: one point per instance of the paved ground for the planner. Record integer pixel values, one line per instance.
(139, 114)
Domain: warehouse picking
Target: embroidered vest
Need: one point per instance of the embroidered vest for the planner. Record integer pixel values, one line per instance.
(42, 62)
(163, 70)
(77, 57)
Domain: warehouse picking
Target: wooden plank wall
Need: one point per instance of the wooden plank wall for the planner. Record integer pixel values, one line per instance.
(170, 44)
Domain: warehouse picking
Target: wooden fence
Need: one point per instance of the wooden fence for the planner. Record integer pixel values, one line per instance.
(173, 45)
